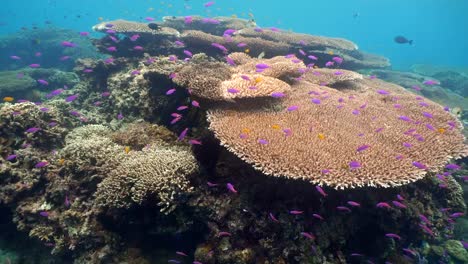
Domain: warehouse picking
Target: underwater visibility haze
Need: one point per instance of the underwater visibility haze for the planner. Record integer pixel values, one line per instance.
(247, 131)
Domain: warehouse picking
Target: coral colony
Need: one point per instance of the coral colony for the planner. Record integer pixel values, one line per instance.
(219, 141)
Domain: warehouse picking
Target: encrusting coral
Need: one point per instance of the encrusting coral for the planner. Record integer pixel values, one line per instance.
(366, 132)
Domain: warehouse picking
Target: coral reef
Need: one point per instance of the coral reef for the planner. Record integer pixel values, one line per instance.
(165, 150)
(175, 33)
(399, 138)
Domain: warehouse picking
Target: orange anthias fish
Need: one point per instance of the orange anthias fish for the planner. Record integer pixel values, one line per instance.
(127, 149)
(441, 130)
(321, 136)
(8, 99)
(61, 161)
(275, 126)
(246, 130)
(258, 79)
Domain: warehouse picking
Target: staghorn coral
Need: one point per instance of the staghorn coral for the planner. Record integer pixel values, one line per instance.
(155, 170)
(312, 138)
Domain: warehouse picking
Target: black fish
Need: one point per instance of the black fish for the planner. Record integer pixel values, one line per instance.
(153, 26)
(403, 40)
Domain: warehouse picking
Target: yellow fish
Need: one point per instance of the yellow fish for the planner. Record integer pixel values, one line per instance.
(127, 149)
(8, 99)
(275, 126)
(441, 130)
(61, 161)
(321, 136)
(247, 50)
(246, 130)
(258, 79)
(331, 52)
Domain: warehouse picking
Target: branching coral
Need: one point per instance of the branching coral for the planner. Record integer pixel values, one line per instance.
(155, 170)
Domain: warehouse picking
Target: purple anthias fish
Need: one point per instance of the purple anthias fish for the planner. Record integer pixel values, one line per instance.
(32, 130)
(354, 204)
(354, 165)
(318, 216)
(230, 187)
(292, 108)
(219, 46)
(54, 93)
(321, 191)
(71, 98)
(419, 165)
(391, 235)
(362, 148)
(398, 204)
(308, 235)
(452, 166)
(383, 205)
(343, 209)
(273, 218)
(296, 212)
(43, 82)
(41, 164)
(11, 157)
(183, 134)
(277, 95)
(315, 101)
(68, 44)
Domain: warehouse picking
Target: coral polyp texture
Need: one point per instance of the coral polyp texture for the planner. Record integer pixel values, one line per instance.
(215, 81)
(355, 132)
(129, 27)
(155, 170)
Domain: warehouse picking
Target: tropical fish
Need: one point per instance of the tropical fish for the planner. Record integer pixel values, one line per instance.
(296, 212)
(272, 217)
(231, 188)
(354, 204)
(398, 204)
(402, 40)
(8, 99)
(391, 235)
(383, 205)
(321, 136)
(321, 191)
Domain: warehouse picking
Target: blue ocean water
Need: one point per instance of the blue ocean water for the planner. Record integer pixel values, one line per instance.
(438, 28)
